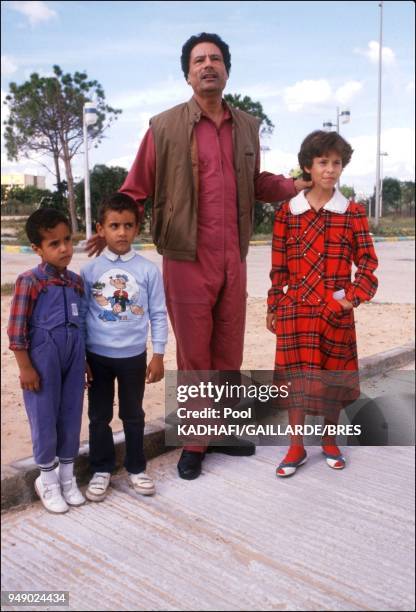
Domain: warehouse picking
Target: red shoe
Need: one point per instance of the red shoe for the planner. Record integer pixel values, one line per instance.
(288, 468)
(336, 462)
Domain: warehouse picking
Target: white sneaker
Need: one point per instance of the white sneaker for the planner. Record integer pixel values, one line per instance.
(72, 496)
(142, 483)
(51, 496)
(98, 486)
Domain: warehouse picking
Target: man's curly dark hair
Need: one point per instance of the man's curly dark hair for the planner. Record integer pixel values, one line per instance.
(200, 38)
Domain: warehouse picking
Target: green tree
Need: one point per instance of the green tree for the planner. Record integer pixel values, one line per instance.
(391, 194)
(253, 108)
(46, 115)
(348, 191)
(407, 189)
(104, 181)
(4, 190)
(57, 199)
(263, 214)
(29, 196)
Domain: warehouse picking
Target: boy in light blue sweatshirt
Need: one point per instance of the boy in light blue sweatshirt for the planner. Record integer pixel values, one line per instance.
(125, 293)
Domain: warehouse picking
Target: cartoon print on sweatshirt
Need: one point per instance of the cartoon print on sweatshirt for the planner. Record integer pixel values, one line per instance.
(117, 293)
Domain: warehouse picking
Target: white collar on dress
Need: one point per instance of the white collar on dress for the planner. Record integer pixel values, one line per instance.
(113, 256)
(338, 203)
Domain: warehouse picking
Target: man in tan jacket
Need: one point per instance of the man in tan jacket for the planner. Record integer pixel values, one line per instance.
(199, 161)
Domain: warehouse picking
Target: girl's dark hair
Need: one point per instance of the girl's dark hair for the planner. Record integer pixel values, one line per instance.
(41, 220)
(320, 143)
(200, 38)
(118, 202)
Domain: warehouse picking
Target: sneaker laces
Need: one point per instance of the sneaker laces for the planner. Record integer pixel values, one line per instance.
(99, 481)
(50, 490)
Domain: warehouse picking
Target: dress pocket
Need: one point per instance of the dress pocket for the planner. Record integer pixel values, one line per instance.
(334, 315)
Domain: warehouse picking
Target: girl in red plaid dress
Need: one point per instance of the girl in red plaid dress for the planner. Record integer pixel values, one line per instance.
(317, 236)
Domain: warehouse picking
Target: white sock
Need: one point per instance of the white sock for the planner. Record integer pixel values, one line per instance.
(66, 473)
(47, 473)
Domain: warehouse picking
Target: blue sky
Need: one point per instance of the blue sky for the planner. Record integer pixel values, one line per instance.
(299, 59)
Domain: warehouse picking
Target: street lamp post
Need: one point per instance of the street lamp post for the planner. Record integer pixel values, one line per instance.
(384, 154)
(264, 149)
(89, 118)
(377, 206)
(345, 116)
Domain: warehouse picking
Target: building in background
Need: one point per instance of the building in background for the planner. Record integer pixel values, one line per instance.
(22, 181)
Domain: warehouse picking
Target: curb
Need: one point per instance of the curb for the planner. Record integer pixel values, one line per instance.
(18, 477)
(14, 248)
(375, 239)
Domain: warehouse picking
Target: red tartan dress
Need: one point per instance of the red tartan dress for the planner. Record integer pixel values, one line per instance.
(312, 254)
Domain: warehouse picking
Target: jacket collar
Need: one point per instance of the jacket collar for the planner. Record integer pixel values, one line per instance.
(337, 204)
(114, 257)
(195, 111)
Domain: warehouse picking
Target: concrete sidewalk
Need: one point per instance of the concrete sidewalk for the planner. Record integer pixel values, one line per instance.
(17, 478)
(235, 539)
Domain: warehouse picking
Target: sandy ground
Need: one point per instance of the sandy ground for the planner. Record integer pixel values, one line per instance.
(379, 327)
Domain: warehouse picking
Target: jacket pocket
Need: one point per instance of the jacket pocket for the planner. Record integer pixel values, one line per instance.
(167, 223)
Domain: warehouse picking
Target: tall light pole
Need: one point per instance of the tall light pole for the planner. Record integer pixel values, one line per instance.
(381, 182)
(89, 118)
(345, 116)
(264, 149)
(377, 206)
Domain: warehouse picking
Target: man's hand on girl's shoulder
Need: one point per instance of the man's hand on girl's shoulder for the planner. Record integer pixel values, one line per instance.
(300, 184)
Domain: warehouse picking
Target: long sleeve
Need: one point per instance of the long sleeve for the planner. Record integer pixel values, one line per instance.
(365, 283)
(24, 297)
(272, 187)
(140, 181)
(157, 311)
(279, 274)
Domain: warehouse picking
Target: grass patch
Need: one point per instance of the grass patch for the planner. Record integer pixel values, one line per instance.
(394, 226)
(7, 289)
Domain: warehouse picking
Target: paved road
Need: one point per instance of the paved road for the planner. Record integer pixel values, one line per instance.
(395, 272)
(235, 539)
(396, 269)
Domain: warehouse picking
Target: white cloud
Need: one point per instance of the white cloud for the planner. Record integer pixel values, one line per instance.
(261, 91)
(372, 53)
(173, 90)
(361, 171)
(126, 161)
(8, 65)
(307, 92)
(35, 10)
(398, 143)
(410, 87)
(346, 92)
(278, 161)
